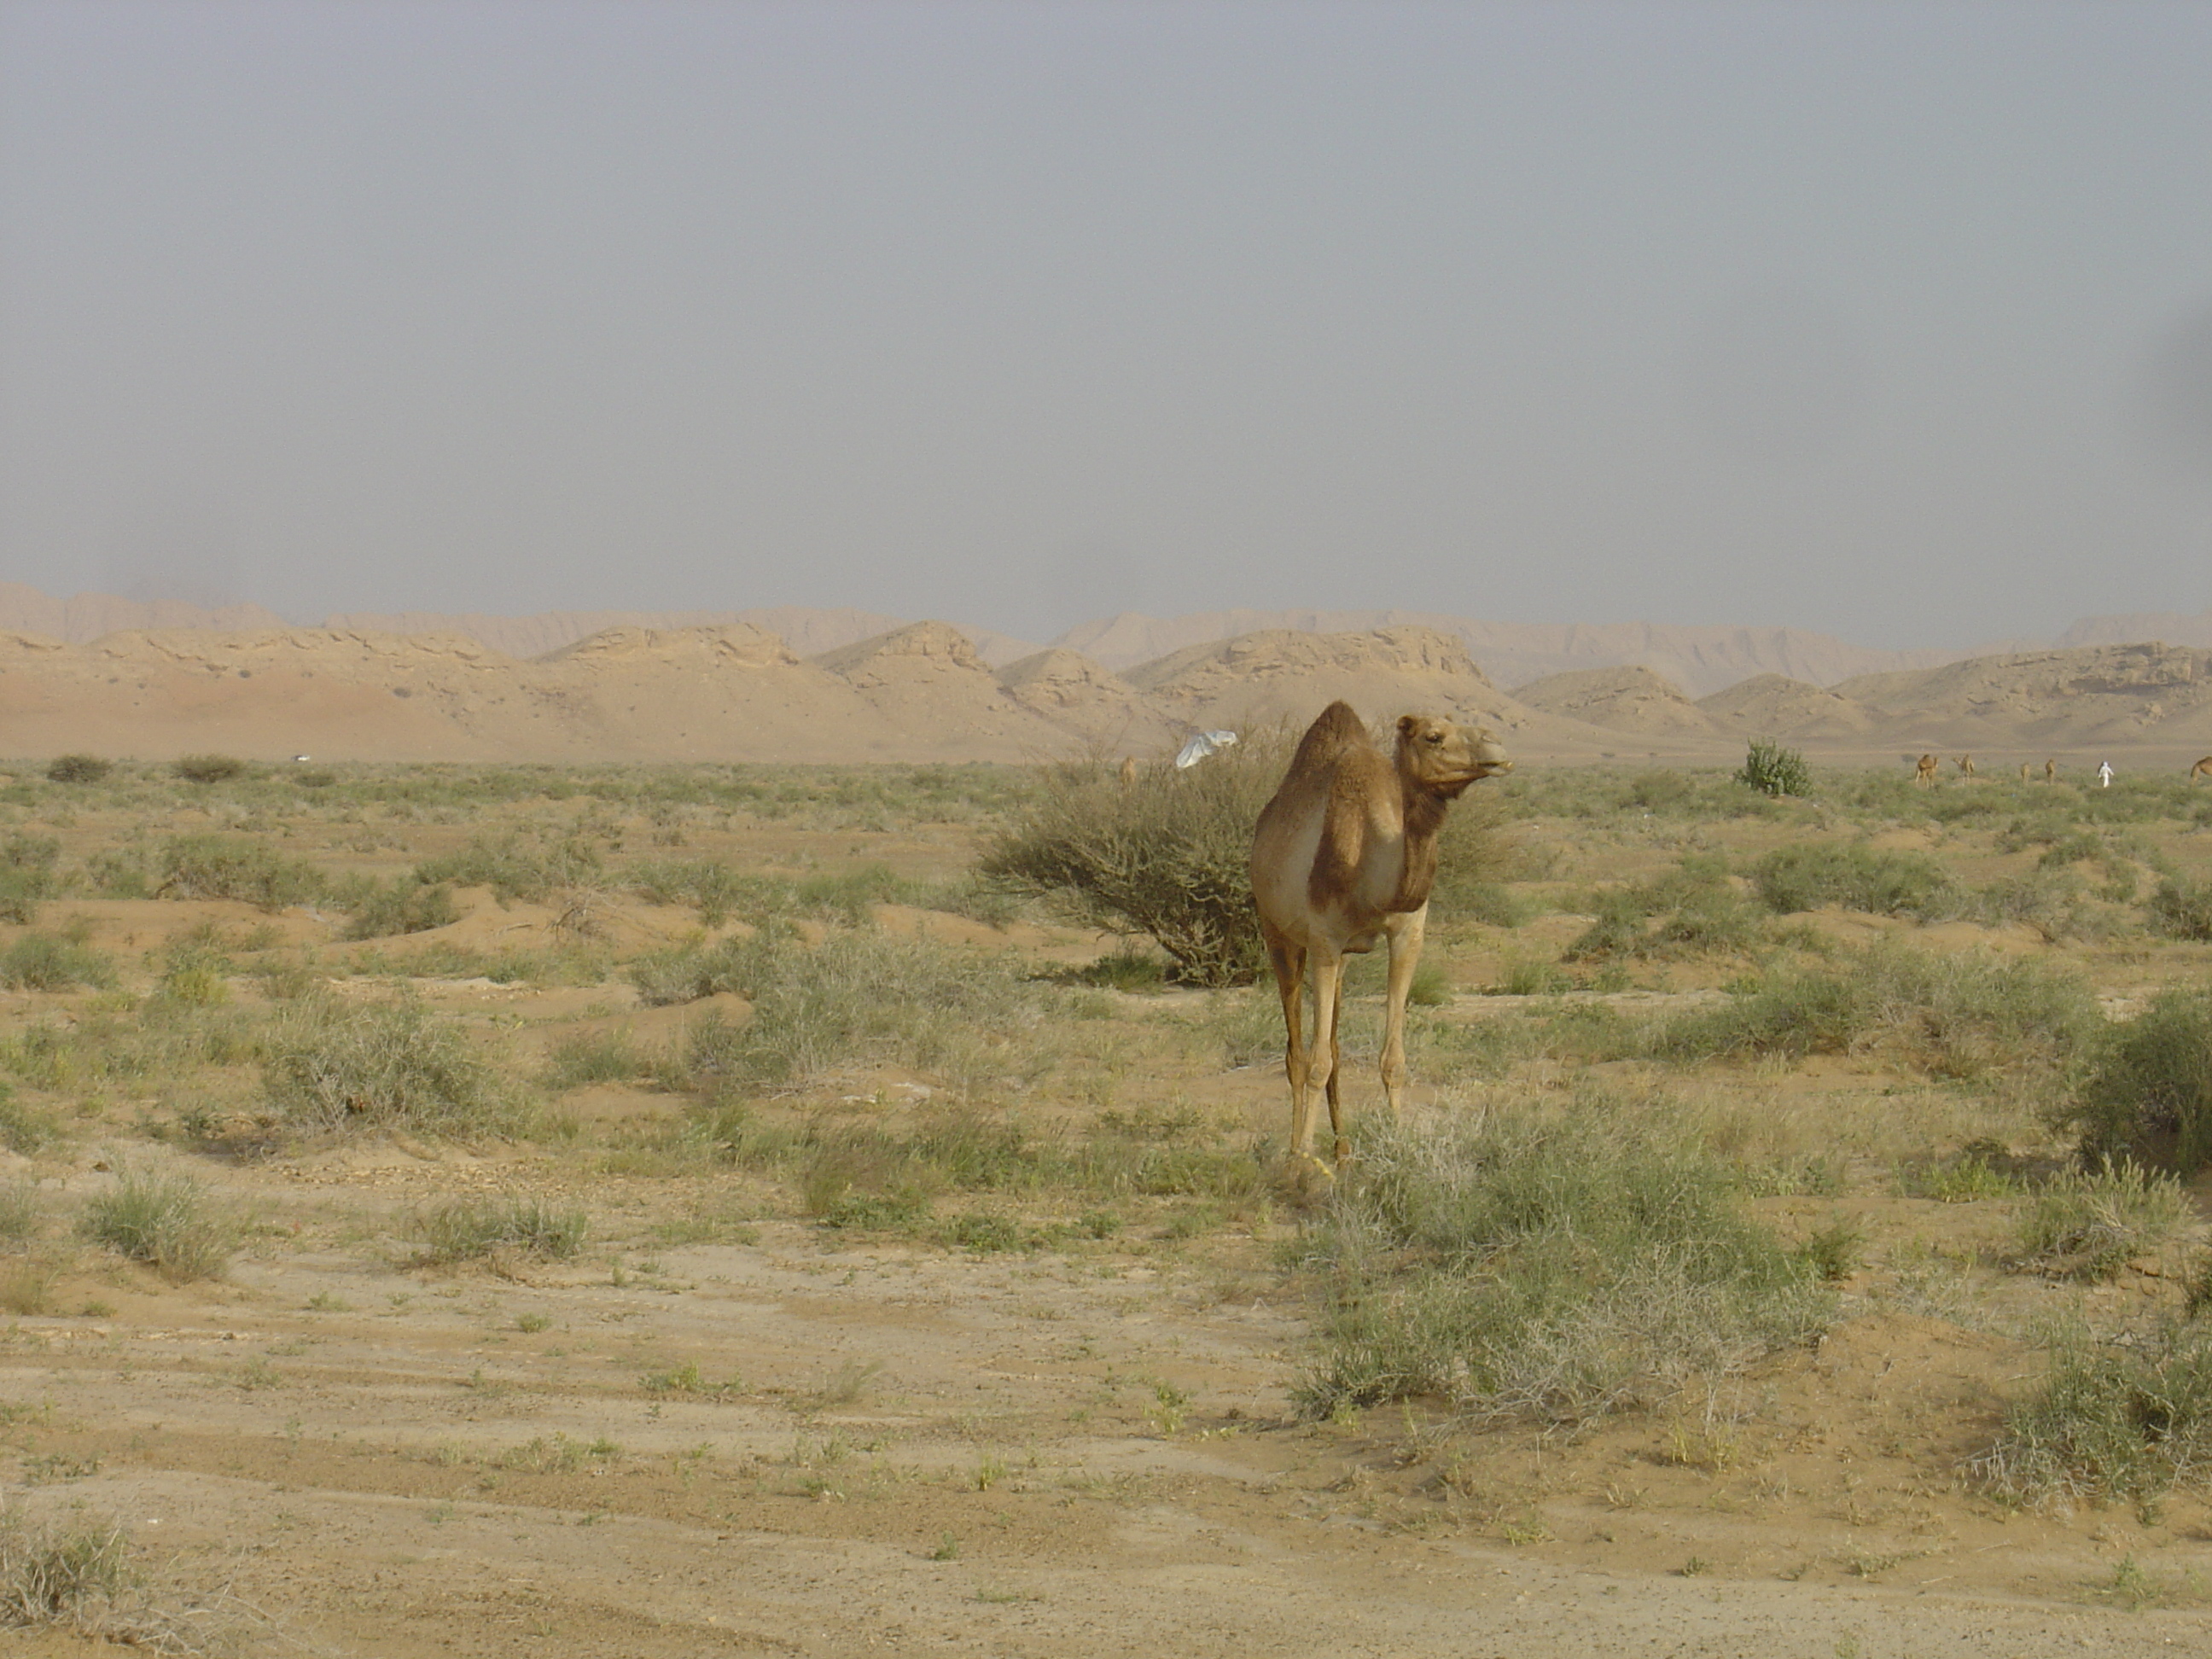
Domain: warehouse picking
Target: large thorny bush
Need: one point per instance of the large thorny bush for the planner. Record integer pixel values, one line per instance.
(1168, 855)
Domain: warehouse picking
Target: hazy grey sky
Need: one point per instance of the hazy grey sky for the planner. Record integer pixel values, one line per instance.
(1893, 320)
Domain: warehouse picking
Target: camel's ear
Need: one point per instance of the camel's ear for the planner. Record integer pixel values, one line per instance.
(1406, 724)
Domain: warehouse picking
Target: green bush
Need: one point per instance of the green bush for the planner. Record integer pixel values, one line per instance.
(27, 875)
(517, 867)
(2089, 1225)
(1775, 771)
(118, 873)
(1701, 914)
(39, 961)
(209, 769)
(2111, 1421)
(1556, 1270)
(168, 1221)
(715, 890)
(1810, 874)
(22, 1128)
(2147, 1094)
(2182, 910)
(78, 769)
(1960, 1015)
(856, 998)
(332, 1065)
(233, 868)
(380, 910)
(586, 1057)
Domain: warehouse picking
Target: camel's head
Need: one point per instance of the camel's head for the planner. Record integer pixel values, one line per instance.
(1443, 758)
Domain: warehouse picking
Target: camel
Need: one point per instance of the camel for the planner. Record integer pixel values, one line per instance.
(1966, 766)
(1129, 770)
(2024, 770)
(1345, 854)
(2202, 768)
(1923, 772)
(2050, 771)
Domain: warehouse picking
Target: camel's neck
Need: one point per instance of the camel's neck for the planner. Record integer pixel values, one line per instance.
(1423, 816)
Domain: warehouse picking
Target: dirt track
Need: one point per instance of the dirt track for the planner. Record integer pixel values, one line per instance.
(902, 1450)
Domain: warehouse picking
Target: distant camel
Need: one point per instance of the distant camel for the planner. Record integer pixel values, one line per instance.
(2202, 768)
(1923, 772)
(2050, 771)
(1344, 854)
(1966, 766)
(1129, 770)
(2023, 771)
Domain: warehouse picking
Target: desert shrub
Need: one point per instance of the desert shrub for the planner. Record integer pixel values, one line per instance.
(24, 1128)
(233, 868)
(856, 998)
(209, 769)
(76, 1574)
(465, 1229)
(594, 1057)
(2086, 1225)
(166, 1221)
(2111, 1420)
(715, 890)
(1810, 874)
(2052, 900)
(1699, 913)
(1958, 1015)
(1556, 1269)
(333, 1065)
(871, 1174)
(1775, 771)
(1490, 902)
(118, 873)
(27, 875)
(379, 910)
(688, 972)
(2147, 1094)
(78, 769)
(517, 867)
(1167, 855)
(40, 962)
(2182, 910)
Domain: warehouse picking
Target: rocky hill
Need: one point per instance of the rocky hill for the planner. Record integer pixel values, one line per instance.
(1700, 660)
(1776, 706)
(738, 690)
(2112, 694)
(1632, 699)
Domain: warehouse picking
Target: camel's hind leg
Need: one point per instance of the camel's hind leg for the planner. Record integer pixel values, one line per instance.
(1407, 930)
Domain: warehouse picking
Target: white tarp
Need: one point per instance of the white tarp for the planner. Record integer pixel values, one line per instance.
(1205, 743)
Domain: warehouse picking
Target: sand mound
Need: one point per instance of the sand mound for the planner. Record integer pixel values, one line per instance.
(1774, 705)
(1632, 699)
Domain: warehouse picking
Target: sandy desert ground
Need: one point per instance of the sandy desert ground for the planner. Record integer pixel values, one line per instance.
(971, 1319)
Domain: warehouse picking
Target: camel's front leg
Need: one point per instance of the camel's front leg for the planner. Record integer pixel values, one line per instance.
(1343, 1148)
(1289, 962)
(1407, 930)
(1326, 969)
